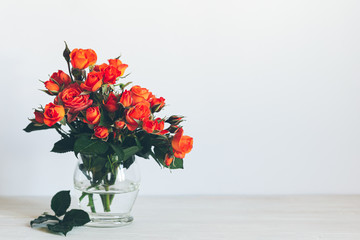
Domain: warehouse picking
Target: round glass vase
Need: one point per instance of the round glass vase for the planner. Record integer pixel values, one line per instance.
(108, 196)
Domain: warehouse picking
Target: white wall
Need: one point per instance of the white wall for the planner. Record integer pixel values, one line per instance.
(270, 89)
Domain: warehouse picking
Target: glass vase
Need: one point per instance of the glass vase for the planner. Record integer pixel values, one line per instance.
(107, 192)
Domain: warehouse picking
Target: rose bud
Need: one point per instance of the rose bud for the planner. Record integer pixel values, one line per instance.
(181, 144)
(126, 99)
(92, 115)
(53, 113)
(175, 120)
(120, 124)
(39, 116)
(168, 159)
(66, 53)
(173, 128)
(101, 132)
(111, 104)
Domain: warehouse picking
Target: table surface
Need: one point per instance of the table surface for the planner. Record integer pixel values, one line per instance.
(204, 217)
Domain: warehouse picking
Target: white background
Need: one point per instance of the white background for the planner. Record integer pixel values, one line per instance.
(270, 90)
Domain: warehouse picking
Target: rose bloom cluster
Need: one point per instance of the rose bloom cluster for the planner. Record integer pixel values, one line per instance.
(92, 94)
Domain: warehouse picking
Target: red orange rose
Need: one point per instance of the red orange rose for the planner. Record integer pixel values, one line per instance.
(101, 132)
(139, 112)
(56, 81)
(51, 86)
(149, 125)
(93, 82)
(126, 99)
(53, 113)
(82, 58)
(110, 74)
(72, 99)
(111, 104)
(61, 78)
(139, 94)
(92, 115)
(181, 144)
(118, 65)
(157, 103)
(159, 126)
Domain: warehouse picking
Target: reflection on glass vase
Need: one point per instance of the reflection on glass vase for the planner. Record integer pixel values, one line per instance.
(107, 191)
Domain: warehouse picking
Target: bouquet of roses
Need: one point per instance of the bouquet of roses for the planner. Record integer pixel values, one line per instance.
(98, 118)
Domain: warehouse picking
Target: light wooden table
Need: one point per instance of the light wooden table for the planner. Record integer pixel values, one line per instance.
(204, 217)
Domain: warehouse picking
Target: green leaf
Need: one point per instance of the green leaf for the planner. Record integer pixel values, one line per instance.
(86, 145)
(60, 227)
(145, 143)
(130, 151)
(159, 155)
(127, 163)
(93, 162)
(47, 92)
(125, 75)
(35, 127)
(64, 145)
(118, 150)
(76, 217)
(84, 170)
(43, 219)
(177, 163)
(105, 119)
(126, 155)
(96, 165)
(60, 202)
